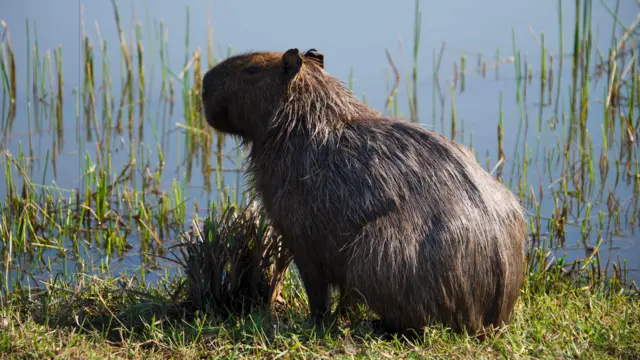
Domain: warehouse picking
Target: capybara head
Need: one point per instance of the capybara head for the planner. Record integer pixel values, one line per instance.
(246, 94)
(241, 92)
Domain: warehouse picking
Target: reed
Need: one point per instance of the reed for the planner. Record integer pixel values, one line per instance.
(413, 86)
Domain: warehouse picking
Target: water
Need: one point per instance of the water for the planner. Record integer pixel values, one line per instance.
(353, 37)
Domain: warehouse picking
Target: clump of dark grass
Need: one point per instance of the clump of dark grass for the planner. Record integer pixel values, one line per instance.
(234, 262)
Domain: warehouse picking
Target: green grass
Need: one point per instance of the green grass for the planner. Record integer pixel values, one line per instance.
(92, 317)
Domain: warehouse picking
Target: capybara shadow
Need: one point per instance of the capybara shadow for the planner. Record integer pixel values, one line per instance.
(393, 215)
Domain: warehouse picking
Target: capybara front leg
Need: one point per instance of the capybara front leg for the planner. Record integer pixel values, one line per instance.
(317, 289)
(346, 303)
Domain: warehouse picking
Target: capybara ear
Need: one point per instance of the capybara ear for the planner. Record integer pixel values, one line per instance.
(315, 55)
(291, 60)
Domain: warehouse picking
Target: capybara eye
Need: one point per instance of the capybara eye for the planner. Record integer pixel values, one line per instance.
(252, 70)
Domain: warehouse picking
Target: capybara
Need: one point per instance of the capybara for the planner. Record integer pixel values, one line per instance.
(374, 206)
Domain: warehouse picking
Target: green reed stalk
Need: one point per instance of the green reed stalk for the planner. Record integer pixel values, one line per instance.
(585, 46)
(436, 86)
(42, 85)
(204, 130)
(434, 79)
(107, 98)
(615, 23)
(164, 89)
(463, 61)
(453, 113)
(518, 72)
(186, 36)
(574, 76)
(141, 80)
(543, 82)
(12, 72)
(501, 154)
(543, 61)
(3, 69)
(49, 73)
(210, 55)
(28, 69)
(88, 88)
(350, 79)
(34, 84)
(163, 65)
(101, 192)
(127, 89)
(560, 56)
(633, 91)
(9, 73)
(517, 64)
(413, 105)
(152, 49)
(191, 141)
(60, 93)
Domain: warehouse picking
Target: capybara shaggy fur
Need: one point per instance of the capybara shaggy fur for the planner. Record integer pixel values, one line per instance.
(374, 206)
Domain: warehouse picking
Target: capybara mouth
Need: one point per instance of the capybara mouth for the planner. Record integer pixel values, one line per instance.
(217, 116)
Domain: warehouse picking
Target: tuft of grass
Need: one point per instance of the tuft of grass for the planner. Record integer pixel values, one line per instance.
(234, 262)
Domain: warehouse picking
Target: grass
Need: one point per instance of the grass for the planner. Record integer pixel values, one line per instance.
(574, 165)
(92, 317)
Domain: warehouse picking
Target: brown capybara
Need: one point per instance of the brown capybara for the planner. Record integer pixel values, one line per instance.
(378, 207)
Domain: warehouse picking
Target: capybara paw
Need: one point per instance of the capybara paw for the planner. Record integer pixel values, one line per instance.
(317, 319)
(384, 329)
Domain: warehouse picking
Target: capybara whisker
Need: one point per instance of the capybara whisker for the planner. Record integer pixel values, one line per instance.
(392, 214)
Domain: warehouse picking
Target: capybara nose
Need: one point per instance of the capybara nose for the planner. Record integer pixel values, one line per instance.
(207, 80)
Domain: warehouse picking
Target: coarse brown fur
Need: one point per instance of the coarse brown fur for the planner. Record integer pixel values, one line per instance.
(378, 207)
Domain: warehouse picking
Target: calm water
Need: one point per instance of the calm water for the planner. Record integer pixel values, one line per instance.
(353, 36)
